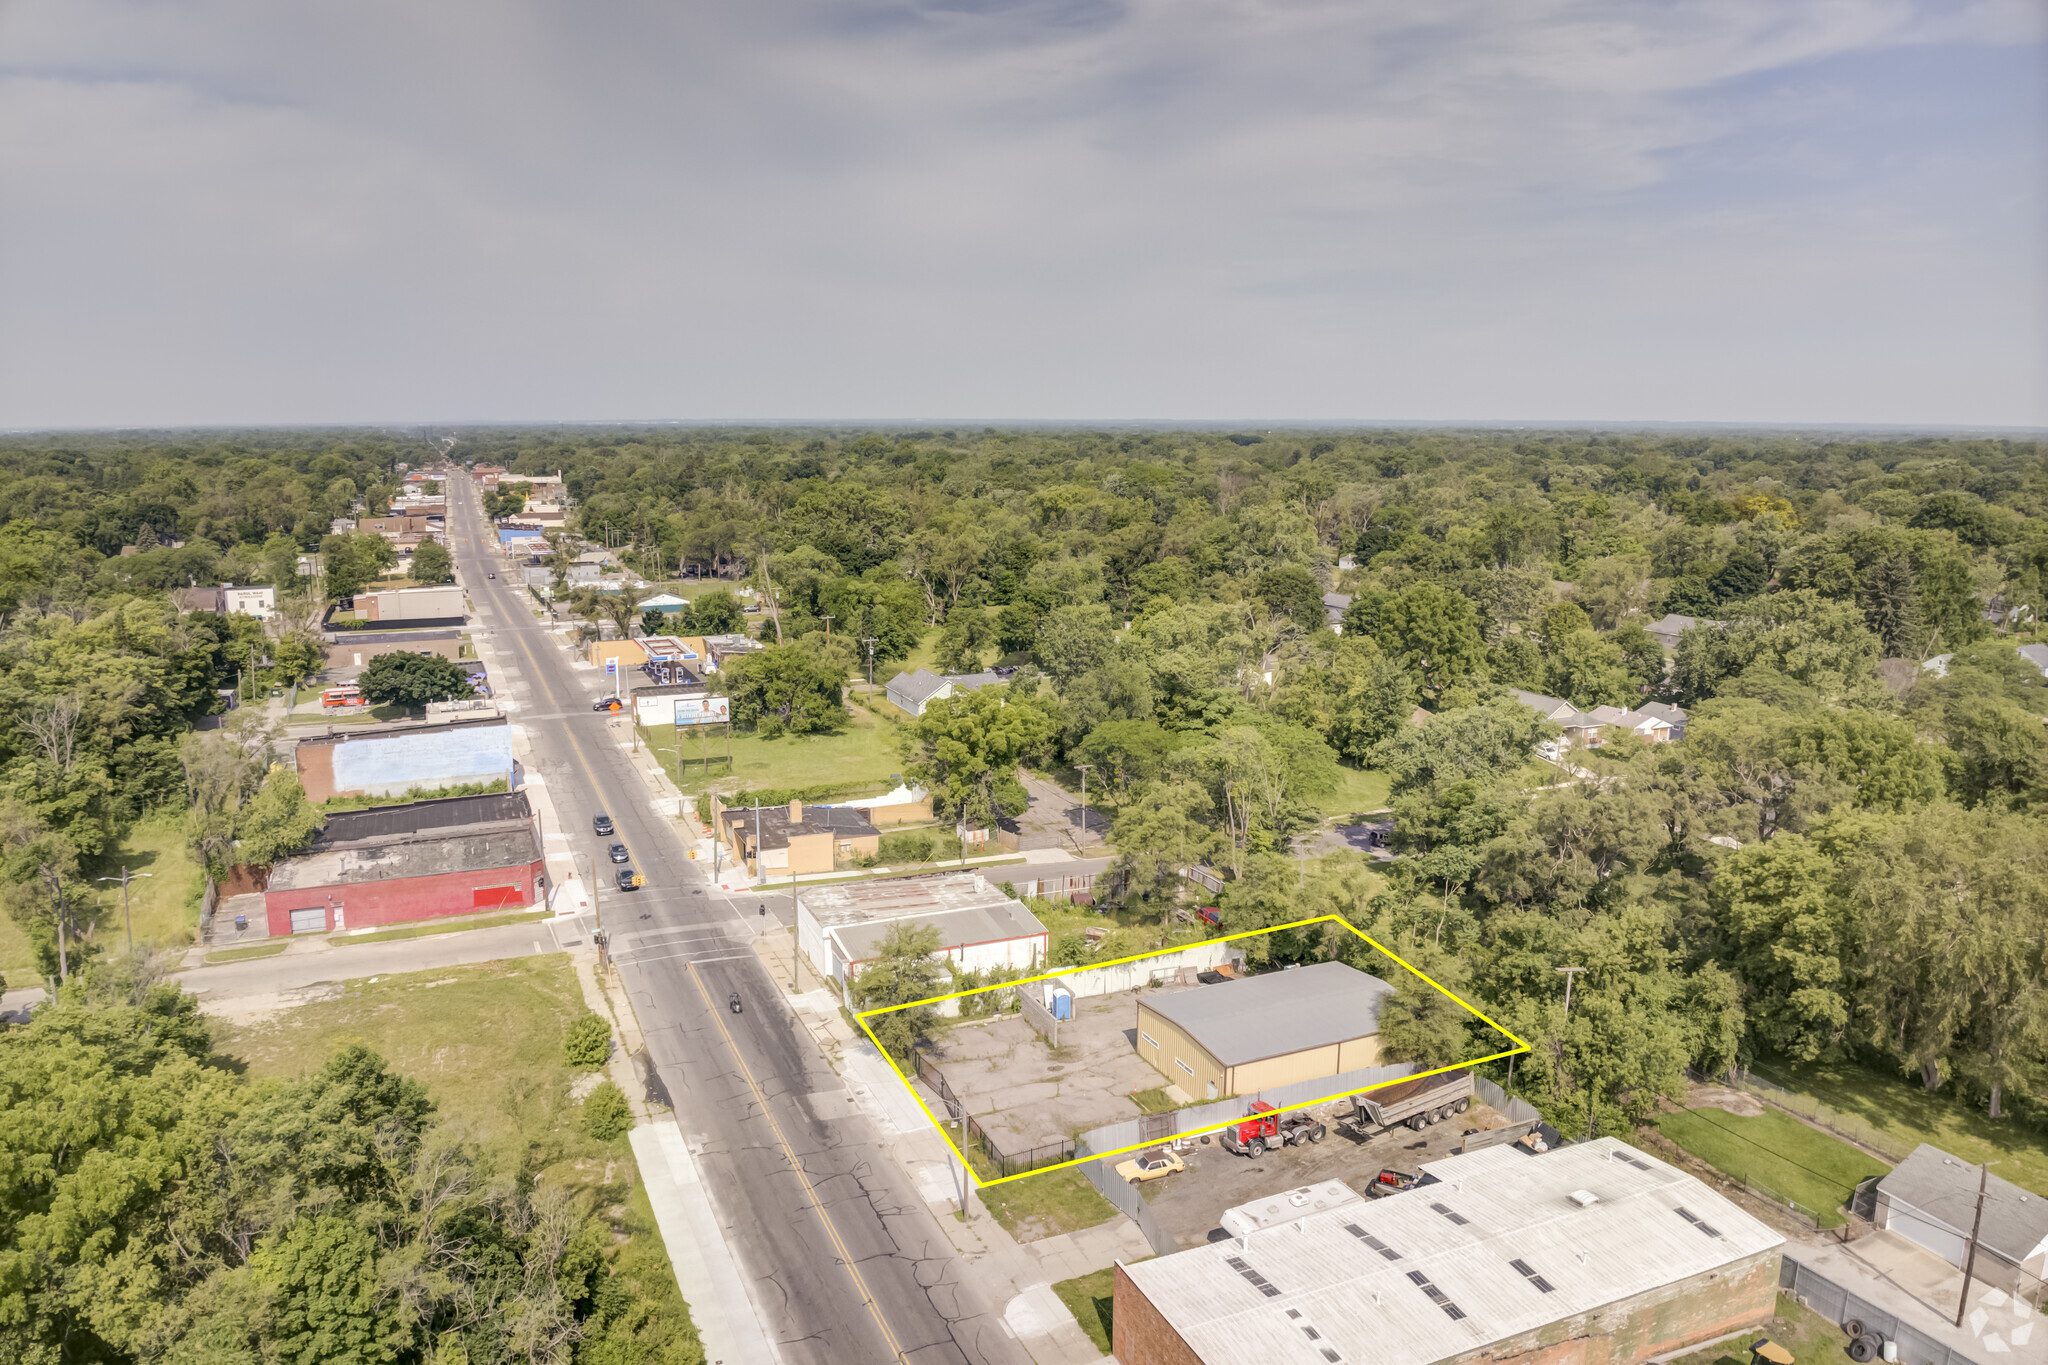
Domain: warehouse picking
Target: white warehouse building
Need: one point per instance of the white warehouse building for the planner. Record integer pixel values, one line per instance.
(841, 927)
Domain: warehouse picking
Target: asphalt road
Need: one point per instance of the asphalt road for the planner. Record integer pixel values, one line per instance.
(846, 1261)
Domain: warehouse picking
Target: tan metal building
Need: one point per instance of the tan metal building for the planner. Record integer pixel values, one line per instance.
(1240, 1037)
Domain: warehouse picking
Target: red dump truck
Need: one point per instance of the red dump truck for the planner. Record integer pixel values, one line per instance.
(1417, 1103)
(1263, 1128)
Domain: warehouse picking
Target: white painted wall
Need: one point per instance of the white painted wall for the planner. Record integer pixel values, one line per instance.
(1088, 982)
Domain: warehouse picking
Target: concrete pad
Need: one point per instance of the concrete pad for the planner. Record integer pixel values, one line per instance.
(1047, 1330)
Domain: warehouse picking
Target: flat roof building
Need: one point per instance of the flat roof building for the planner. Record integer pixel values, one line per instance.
(1501, 1255)
(796, 839)
(841, 927)
(1240, 1037)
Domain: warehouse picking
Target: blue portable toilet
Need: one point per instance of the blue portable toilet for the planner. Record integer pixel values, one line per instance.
(1062, 1003)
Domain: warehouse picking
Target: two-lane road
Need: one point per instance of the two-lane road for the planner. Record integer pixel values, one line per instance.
(846, 1264)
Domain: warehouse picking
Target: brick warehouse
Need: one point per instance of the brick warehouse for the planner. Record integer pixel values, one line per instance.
(418, 861)
(1594, 1254)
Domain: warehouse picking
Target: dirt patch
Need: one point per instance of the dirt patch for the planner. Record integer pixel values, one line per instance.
(245, 1010)
(1737, 1102)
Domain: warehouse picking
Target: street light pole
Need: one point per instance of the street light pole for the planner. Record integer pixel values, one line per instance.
(869, 641)
(127, 923)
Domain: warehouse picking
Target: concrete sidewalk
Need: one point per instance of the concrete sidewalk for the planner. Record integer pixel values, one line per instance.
(726, 1317)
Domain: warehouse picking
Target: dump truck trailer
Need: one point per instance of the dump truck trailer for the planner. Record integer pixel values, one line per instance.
(1417, 1103)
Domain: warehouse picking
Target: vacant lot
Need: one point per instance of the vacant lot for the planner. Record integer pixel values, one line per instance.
(1092, 1300)
(1811, 1339)
(1358, 790)
(864, 753)
(1777, 1154)
(1045, 1205)
(486, 1040)
(164, 903)
(1894, 1115)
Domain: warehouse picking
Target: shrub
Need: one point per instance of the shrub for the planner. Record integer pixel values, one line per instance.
(588, 1041)
(606, 1112)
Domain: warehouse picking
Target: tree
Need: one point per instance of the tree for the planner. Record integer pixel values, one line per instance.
(1161, 830)
(1126, 753)
(353, 561)
(1436, 631)
(967, 634)
(278, 821)
(789, 688)
(413, 680)
(1292, 591)
(716, 612)
(431, 563)
(1588, 671)
(1613, 588)
(587, 1042)
(330, 1308)
(905, 972)
(1480, 742)
(1419, 1023)
(607, 1114)
(1787, 936)
(1373, 697)
(654, 621)
(966, 749)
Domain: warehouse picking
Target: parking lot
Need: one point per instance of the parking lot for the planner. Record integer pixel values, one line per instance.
(1024, 1094)
(1190, 1203)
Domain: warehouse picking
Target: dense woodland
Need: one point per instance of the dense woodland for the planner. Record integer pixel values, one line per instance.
(1846, 857)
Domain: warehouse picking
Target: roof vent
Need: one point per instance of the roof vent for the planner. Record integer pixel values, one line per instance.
(1585, 1199)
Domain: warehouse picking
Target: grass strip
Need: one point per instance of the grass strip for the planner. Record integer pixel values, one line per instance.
(248, 954)
(440, 927)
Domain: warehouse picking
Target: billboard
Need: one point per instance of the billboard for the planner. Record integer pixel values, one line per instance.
(677, 709)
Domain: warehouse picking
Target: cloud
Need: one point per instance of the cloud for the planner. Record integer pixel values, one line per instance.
(234, 211)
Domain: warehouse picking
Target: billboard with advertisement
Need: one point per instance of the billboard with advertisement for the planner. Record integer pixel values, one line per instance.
(676, 708)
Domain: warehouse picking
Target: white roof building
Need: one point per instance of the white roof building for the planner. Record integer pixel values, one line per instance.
(1499, 1246)
(839, 927)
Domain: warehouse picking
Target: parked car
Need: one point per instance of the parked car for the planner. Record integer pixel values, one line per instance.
(607, 704)
(619, 854)
(629, 880)
(601, 824)
(1209, 914)
(1151, 1165)
(1390, 1181)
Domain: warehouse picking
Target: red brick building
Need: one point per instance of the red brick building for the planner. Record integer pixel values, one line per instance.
(1593, 1254)
(418, 861)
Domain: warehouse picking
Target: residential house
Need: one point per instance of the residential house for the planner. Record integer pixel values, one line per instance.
(919, 688)
(795, 840)
(1667, 630)
(1335, 604)
(1653, 721)
(2037, 655)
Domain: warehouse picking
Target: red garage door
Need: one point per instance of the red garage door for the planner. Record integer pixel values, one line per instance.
(497, 895)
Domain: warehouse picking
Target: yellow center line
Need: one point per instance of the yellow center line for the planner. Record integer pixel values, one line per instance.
(831, 1232)
(845, 1256)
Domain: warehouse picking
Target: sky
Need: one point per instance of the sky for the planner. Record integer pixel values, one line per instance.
(272, 212)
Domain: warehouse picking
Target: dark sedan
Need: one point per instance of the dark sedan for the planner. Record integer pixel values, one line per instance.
(601, 824)
(619, 854)
(629, 880)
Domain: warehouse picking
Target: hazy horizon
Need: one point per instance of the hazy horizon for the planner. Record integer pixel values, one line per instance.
(224, 213)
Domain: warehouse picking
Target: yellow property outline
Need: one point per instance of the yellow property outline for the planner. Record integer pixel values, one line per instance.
(863, 1017)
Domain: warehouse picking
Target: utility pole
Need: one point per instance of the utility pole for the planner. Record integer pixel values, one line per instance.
(1084, 767)
(869, 641)
(127, 923)
(1570, 973)
(828, 624)
(1976, 1226)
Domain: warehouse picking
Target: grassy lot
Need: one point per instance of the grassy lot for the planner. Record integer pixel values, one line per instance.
(865, 752)
(1045, 1205)
(1777, 1154)
(248, 954)
(1894, 1115)
(164, 904)
(1153, 1101)
(441, 926)
(1090, 1299)
(486, 1040)
(1359, 790)
(921, 657)
(1811, 1339)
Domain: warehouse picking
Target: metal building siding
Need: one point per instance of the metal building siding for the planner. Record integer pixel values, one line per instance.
(431, 756)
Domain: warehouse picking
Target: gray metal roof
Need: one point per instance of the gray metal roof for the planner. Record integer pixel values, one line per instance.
(1324, 1273)
(1276, 1013)
(419, 817)
(1943, 1189)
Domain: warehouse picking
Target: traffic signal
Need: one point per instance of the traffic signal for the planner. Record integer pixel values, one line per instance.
(639, 880)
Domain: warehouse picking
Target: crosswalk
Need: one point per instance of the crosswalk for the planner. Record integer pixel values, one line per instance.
(694, 943)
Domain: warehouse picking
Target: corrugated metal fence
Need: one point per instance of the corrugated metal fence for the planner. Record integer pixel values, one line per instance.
(1128, 1199)
(1839, 1305)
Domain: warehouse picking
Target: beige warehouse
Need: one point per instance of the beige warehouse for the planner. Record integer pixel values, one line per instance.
(1241, 1037)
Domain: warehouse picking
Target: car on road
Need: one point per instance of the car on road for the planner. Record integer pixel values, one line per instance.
(1151, 1165)
(601, 823)
(490, 575)
(619, 854)
(607, 704)
(629, 880)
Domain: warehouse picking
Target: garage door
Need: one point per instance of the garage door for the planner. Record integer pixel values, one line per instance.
(312, 921)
